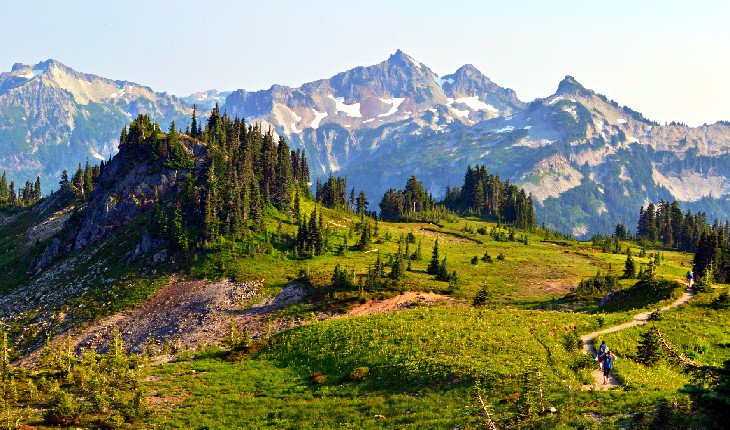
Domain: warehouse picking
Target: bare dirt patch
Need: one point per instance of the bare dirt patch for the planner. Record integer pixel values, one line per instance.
(189, 314)
(167, 402)
(406, 300)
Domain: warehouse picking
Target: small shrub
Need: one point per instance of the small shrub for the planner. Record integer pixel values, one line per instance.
(482, 231)
(358, 374)
(500, 257)
(486, 257)
(722, 301)
(572, 342)
(475, 260)
(585, 361)
(63, 409)
(655, 316)
(649, 349)
(318, 378)
(483, 297)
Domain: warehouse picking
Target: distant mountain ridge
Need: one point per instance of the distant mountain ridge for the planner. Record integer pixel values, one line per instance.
(53, 117)
(587, 160)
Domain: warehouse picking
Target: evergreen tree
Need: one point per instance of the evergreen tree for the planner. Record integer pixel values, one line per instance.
(194, 124)
(630, 266)
(362, 204)
(297, 207)
(37, 188)
(88, 184)
(398, 267)
(649, 349)
(443, 271)
(178, 230)
(77, 183)
(435, 264)
(365, 236)
(4, 189)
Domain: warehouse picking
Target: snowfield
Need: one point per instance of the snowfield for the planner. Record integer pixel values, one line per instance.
(394, 104)
(352, 110)
(318, 117)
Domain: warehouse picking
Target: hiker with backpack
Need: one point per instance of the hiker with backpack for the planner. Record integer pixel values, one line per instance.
(602, 350)
(608, 361)
(690, 279)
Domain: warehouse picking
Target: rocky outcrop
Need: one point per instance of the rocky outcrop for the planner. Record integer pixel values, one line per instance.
(129, 191)
(46, 258)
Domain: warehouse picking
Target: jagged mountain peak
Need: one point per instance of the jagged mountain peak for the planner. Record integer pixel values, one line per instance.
(569, 85)
(401, 57)
(468, 70)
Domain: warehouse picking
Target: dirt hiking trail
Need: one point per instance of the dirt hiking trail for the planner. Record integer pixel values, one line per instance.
(639, 319)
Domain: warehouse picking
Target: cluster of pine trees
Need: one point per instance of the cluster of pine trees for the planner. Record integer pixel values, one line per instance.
(665, 223)
(405, 204)
(25, 196)
(333, 194)
(83, 181)
(485, 195)
(242, 170)
(312, 235)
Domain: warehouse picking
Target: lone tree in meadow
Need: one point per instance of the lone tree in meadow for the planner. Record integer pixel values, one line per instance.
(435, 264)
(630, 266)
(648, 351)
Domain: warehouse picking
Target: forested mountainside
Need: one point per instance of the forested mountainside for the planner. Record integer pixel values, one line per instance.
(585, 158)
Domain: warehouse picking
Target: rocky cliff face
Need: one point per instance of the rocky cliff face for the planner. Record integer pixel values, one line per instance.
(53, 117)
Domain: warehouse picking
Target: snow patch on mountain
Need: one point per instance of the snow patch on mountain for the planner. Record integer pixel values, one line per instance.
(571, 111)
(526, 141)
(504, 129)
(318, 117)
(394, 104)
(623, 176)
(352, 110)
(442, 81)
(473, 102)
(580, 230)
(461, 113)
(95, 153)
(620, 121)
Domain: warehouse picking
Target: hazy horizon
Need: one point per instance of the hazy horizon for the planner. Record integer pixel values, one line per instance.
(664, 59)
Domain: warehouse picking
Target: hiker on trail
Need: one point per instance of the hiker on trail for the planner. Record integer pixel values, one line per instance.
(608, 366)
(602, 350)
(690, 279)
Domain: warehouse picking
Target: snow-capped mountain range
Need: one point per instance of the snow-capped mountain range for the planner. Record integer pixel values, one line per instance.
(588, 161)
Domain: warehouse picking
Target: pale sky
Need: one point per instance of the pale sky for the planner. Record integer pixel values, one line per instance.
(669, 60)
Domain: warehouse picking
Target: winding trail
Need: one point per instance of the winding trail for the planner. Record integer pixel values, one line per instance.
(639, 319)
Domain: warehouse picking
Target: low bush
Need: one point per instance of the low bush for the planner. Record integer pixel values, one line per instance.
(318, 378)
(358, 374)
